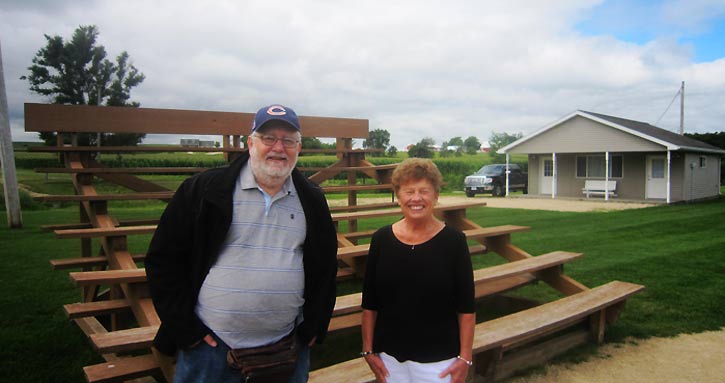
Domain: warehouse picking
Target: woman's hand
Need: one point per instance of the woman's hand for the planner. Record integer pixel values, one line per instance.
(378, 367)
(458, 370)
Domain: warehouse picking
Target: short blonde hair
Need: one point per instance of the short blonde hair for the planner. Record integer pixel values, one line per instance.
(415, 169)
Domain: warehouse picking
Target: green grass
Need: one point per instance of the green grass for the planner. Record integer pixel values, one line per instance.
(677, 252)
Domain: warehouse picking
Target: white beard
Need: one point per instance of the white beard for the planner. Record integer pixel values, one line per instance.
(269, 174)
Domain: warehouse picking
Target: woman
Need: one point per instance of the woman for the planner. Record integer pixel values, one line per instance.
(418, 295)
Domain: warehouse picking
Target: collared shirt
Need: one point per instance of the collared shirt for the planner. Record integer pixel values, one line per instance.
(253, 295)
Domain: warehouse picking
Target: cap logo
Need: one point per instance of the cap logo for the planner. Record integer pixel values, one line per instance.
(276, 110)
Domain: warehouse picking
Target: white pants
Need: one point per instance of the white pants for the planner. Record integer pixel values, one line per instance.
(414, 372)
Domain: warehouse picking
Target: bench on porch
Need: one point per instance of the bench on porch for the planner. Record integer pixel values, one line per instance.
(588, 311)
(600, 187)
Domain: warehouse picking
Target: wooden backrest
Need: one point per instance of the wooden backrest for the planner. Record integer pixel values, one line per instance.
(91, 119)
(600, 185)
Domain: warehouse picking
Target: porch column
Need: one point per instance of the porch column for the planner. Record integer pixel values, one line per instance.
(554, 173)
(507, 174)
(606, 175)
(669, 158)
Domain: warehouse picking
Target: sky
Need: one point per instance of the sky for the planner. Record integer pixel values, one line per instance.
(437, 69)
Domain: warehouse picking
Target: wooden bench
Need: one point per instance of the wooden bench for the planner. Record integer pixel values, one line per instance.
(600, 187)
(87, 262)
(596, 306)
(487, 281)
(346, 314)
(439, 209)
(352, 255)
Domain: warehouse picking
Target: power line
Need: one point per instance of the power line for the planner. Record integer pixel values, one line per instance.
(668, 106)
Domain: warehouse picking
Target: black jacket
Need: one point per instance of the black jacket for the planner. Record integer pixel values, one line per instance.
(188, 240)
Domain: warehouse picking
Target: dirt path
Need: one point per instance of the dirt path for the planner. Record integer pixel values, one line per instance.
(526, 203)
(687, 358)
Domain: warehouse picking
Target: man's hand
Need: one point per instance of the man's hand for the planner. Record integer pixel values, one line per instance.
(208, 339)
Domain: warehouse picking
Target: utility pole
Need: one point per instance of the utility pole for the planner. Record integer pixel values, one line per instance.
(682, 109)
(10, 182)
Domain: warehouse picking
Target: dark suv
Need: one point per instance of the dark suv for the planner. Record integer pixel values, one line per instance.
(492, 179)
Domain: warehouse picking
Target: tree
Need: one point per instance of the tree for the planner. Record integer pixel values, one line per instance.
(392, 151)
(422, 149)
(445, 152)
(77, 72)
(311, 143)
(498, 141)
(377, 139)
(456, 141)
(472, 145)
(714, 139)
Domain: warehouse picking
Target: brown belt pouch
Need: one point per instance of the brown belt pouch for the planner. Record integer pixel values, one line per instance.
(273, 363)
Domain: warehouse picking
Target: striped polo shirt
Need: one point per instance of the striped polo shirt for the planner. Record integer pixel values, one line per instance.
(253, 295)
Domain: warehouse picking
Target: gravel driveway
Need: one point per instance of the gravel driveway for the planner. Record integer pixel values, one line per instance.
(525, 202)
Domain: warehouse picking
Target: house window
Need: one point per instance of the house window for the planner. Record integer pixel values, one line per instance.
(548, 168)
(703, 161)
(593, 166)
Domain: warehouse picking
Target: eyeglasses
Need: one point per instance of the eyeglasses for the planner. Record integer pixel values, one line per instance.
(271, 140)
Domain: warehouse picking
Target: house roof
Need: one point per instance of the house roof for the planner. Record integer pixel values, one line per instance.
(671, 140)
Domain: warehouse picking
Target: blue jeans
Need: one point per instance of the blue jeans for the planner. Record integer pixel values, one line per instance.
(206, 364)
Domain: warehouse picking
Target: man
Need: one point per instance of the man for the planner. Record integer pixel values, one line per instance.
(242, 256)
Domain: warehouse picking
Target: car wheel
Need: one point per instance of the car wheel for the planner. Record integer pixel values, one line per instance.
(470, 194)
(497, 191)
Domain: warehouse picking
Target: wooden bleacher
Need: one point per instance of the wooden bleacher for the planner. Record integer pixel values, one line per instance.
(592, 308)
(113, 281)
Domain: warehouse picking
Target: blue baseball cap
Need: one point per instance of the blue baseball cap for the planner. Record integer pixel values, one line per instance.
(275, 112)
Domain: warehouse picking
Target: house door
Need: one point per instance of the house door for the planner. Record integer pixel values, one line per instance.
(546, 173)
(656, 177)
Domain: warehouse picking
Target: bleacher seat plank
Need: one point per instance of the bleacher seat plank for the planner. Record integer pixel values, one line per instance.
(344, 168)
(106, 197)
(105, 231)
(74, 263)
(361, 250)
(353, 251)
(494, 231)
(85, 309)
(332, 189)
(392, 212)
(154, 170)
(130, 222)
(528, 265)
(347, 303)
(124, 340)
(122, 369)
(345, 273)
(543, 318)
(487, 281)
(351, 371)
(510, 328)
(368, 206)
(127, 149)
(107, 277)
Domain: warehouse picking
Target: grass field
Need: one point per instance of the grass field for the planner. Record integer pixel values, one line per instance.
(677, 252)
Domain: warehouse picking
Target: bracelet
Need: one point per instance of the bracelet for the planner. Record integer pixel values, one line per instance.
(366, 353)
(467, 362)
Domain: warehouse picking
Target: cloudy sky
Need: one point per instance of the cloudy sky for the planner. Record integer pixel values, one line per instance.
(415, 68)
